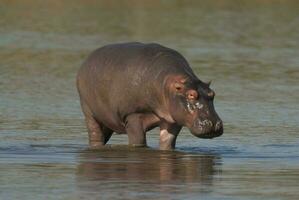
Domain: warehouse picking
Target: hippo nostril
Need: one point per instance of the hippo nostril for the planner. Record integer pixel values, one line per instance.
(218, 125)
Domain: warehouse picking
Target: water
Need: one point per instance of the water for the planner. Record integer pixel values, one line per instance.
(248, 48)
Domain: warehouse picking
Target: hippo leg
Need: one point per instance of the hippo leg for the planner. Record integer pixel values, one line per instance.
(98, 133)
(135, 130)
(168, 135)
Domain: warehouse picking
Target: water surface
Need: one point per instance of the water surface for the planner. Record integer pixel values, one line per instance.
(250, 51)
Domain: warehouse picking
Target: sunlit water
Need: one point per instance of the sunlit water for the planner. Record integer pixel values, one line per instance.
(250, 51)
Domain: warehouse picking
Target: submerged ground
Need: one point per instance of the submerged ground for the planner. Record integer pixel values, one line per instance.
(250, 51)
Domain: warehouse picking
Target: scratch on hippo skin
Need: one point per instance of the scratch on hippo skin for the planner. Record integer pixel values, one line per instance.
(192, 107)
(198, 105)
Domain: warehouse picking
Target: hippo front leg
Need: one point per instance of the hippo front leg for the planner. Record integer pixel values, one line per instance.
(168, 135)
(135, 130)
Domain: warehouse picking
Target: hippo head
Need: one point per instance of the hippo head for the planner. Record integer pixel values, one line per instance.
(191, 105)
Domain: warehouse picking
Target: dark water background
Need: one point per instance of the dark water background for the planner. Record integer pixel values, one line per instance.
(250, 49)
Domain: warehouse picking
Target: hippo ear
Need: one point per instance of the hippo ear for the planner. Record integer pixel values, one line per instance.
(209, 83)
(176, 84)
(177, 87)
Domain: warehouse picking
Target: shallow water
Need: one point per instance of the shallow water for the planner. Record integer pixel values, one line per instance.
(250, 51)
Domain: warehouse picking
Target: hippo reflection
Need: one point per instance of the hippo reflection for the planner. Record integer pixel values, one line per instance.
(140, 165)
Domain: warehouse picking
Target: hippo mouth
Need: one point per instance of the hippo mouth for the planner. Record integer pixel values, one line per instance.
(206, 129)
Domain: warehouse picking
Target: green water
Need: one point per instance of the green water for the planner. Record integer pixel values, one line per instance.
(249, 49)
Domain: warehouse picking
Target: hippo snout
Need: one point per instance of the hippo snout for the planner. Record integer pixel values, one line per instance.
(206, 128)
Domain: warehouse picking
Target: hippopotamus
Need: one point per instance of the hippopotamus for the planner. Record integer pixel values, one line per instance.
(131, 88)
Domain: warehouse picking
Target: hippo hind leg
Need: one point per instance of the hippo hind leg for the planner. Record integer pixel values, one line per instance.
(98, 133)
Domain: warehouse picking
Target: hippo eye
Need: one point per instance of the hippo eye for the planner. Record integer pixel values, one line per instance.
(192, 95)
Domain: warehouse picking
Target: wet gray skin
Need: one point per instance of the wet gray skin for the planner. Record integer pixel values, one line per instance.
(250, 51)
(131, 88)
